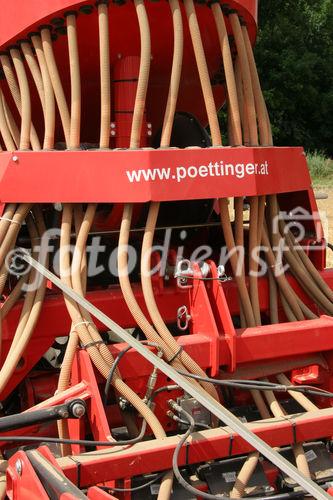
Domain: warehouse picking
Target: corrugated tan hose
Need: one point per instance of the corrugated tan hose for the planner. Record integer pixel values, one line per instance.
(254, 203)
(235, 91)
(239, 242)
(282, 282)
(78, 277)
(12, 227)
(141, 91)
(12, 125)
(49, 114)
(246, 78)
(15, 92)
(234, 112)
(177, 61)
(252, 459)
(132, 304)
(73, 342)
(148, 292)
(56, 82)
(31, 293)
(98, 360)
(242, 110)
(296, 266)
(300, 458)
(139, 108)
(74, 66)
(244, 475)
(298, 396)
(35, 71)
(5, 223)
(29, 320)
(5, 220)
(307, 263)
(25, 99)
(240, 281)
(273, 298)
(253, 262)
(10, 238)
(303, 269)
(264, 129)
(127, 291)
(78, 274)
(128, 208)
(153, 310)
(13, 297)
(236, 129)
(277, 244)
(203, 73)
(104, 58)
(4, 129)
(81, 329)
(266, 139)
(78, 281)
(257, 209)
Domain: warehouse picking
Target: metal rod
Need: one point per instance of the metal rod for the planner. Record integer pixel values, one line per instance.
(140, 230)
(207, 401)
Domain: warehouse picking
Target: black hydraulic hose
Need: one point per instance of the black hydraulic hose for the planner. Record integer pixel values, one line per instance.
(260, 385)
(80, 442)
(203, 494)
(248, 385)
(135, 488)
(116, 363)
(72, 409)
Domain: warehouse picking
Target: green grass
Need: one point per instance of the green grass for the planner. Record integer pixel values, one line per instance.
(321, 169)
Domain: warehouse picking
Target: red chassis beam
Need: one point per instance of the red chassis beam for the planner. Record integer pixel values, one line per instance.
(175, 174)
(150, 456)
(289, 339)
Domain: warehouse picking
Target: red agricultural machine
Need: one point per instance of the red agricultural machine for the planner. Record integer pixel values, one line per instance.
(166, 314)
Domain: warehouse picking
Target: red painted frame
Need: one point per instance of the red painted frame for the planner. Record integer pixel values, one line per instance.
(101, 176)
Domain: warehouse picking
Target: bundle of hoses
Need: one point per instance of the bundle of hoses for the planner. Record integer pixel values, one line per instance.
(247, 115)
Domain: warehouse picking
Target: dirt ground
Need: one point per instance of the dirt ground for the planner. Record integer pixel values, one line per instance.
(326, 210)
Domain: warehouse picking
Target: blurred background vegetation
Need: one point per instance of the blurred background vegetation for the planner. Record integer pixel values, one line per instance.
(294, 54)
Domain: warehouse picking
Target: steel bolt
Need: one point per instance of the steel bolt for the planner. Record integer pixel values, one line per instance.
(18, 467)
(78, 410)
(63, 413)
(15, 158)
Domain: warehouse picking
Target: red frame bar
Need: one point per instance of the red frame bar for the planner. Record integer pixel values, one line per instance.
(156, 455)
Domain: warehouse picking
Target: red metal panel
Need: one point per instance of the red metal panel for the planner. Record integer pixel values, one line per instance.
(24, 484)
(222, 314)
(153, 456)
(250, 344)
(108, 176)
(203, 320)
(96, 493)
(17, 16)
